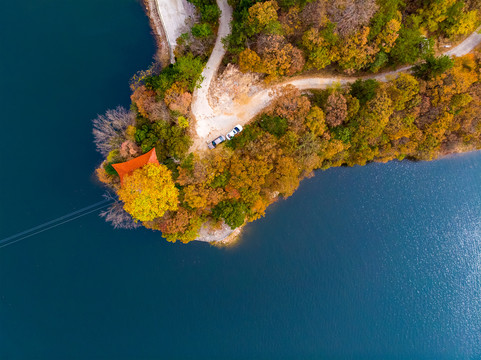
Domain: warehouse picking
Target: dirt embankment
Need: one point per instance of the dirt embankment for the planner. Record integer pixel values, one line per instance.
(163, 50)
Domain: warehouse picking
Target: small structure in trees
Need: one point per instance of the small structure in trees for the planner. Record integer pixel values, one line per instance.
(127, 167)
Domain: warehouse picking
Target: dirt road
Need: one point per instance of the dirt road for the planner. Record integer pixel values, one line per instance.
(201, 108)
(211, 123)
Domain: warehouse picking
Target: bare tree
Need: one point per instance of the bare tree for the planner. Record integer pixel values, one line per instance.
(336, 109)
(269, 43)
(314, 13)
(109, 129)
(118, 217)
(351, 15)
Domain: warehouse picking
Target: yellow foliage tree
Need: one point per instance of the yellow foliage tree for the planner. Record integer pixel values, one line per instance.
(320, 52)
(149, 192)
(262, 15)
(249, 61)
(435, 13)
(465, 24)
(389, 35)
(403, 90)
(356, 52)
(316, 121)
(195, 196)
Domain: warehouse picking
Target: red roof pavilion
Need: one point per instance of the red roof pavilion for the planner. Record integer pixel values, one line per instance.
(127, 167)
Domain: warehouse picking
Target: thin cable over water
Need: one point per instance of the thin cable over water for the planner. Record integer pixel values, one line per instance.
(54, 223)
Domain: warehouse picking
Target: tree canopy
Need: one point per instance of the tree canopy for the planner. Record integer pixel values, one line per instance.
(149, 192)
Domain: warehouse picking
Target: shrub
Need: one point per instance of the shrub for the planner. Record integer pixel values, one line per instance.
(109, 169)
(183, 122)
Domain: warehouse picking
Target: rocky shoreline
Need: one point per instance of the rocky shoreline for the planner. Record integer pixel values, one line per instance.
(163, 49)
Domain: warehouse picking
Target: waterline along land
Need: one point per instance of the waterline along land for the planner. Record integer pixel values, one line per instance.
(312, 86)
(380, 261)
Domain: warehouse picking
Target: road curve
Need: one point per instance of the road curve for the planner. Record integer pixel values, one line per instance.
(210, 123)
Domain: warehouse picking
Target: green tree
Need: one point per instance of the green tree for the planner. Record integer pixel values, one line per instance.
(201, 30)
(169, 140)
(186, 71)
(381, 60)
(210, 13)
(411, 45)
(433, 67)
(189, 70)
(364, 90)
(275, 125)
(233, 212)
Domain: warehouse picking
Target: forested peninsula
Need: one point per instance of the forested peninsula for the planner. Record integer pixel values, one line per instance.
(314, 84)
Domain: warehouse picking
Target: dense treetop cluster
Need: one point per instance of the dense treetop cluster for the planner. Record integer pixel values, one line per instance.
(434, 111)
(285, 37)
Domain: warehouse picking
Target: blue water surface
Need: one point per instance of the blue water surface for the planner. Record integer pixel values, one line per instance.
(374, 262)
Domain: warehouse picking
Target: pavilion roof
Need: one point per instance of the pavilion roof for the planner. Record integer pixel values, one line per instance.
(127, 167)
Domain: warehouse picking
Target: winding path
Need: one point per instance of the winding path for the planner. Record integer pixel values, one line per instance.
(211, 123)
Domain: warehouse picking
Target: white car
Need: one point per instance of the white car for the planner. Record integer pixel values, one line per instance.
(237, 129)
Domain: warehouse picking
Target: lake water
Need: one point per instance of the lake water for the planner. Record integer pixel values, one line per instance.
(375, 262)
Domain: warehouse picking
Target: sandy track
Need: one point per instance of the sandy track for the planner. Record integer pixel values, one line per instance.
(211, 123)
(201, 109)
(467, 45)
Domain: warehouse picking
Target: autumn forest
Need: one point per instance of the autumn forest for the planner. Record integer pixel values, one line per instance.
(428, 112)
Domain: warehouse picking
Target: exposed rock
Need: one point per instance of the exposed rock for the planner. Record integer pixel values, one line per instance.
(233, 86)
(209, 232)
